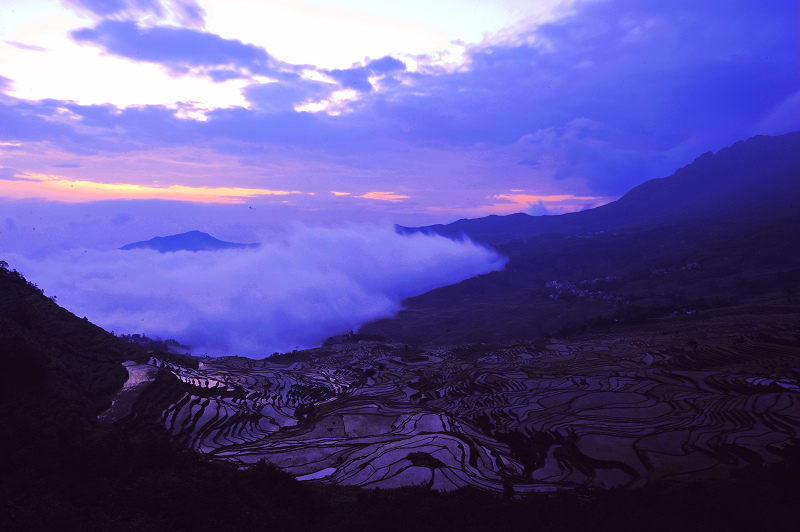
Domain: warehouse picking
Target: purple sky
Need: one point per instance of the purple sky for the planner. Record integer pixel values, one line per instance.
(286, 122)
(566, 107)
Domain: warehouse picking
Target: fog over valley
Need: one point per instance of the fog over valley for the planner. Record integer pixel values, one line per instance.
(295, 290)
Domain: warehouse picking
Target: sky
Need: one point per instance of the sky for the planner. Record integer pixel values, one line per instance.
(419, 112)
(266, 121)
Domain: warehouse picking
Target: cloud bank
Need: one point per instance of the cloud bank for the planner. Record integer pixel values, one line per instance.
(290, 292)
(588, 103)
(178, 49)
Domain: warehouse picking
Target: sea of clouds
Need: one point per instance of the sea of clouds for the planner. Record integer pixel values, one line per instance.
(295, 290)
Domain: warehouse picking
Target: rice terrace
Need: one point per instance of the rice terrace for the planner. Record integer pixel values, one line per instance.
(662, 402)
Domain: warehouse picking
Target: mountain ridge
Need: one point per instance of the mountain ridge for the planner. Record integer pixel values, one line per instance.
(190, 241)
(713, 185)
(728, 217)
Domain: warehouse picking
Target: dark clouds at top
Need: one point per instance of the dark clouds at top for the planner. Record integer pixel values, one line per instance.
(650, 77)
(179, 49)
(186, 12)
(385, 65)
(616, 93)
(358, 77)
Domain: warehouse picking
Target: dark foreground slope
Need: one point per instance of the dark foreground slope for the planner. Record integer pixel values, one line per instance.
(760, 173)
(62, 470)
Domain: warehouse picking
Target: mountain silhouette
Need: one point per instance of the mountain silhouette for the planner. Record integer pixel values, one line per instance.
(762, 173)
(191, 241)
(728, 219)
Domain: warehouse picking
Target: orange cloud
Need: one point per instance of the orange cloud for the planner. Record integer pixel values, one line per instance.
(384, 196)
(58, 188)
(526, 199)
(554, 203)
(512, 203)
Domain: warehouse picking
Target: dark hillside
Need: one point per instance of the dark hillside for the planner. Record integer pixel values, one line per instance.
(66, 350)
(62, 470)
(760, 173)
(559, 284)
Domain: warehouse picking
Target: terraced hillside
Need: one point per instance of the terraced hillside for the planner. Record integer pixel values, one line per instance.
(708, 395)
(678, 399)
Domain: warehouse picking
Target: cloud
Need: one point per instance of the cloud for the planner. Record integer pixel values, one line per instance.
(31, 121)
(785, 116)
(6, 84)
(184, 12)
(121, 218)
(294, 290)
(581, 150)
(106, 7)
(385, 65)
(352, 78)
(358, 77)
(23, 46)
(62, 189)
(538, 209)
(10, 174)
(283, 96)
(662, 85)
(384, 196)
(181, 50)
(537, 205)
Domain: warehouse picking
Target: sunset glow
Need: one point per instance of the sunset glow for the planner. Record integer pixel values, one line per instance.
(59, 189)
(446, 108)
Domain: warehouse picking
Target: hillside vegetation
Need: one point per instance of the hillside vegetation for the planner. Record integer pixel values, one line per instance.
(62, 470)
(557, 284)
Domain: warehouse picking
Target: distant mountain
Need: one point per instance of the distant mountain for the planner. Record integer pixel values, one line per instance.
(719, 229)
(761, 173)
(191, 241)
(555, 285)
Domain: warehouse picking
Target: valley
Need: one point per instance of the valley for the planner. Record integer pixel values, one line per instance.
(678, 399)
(615, 369)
